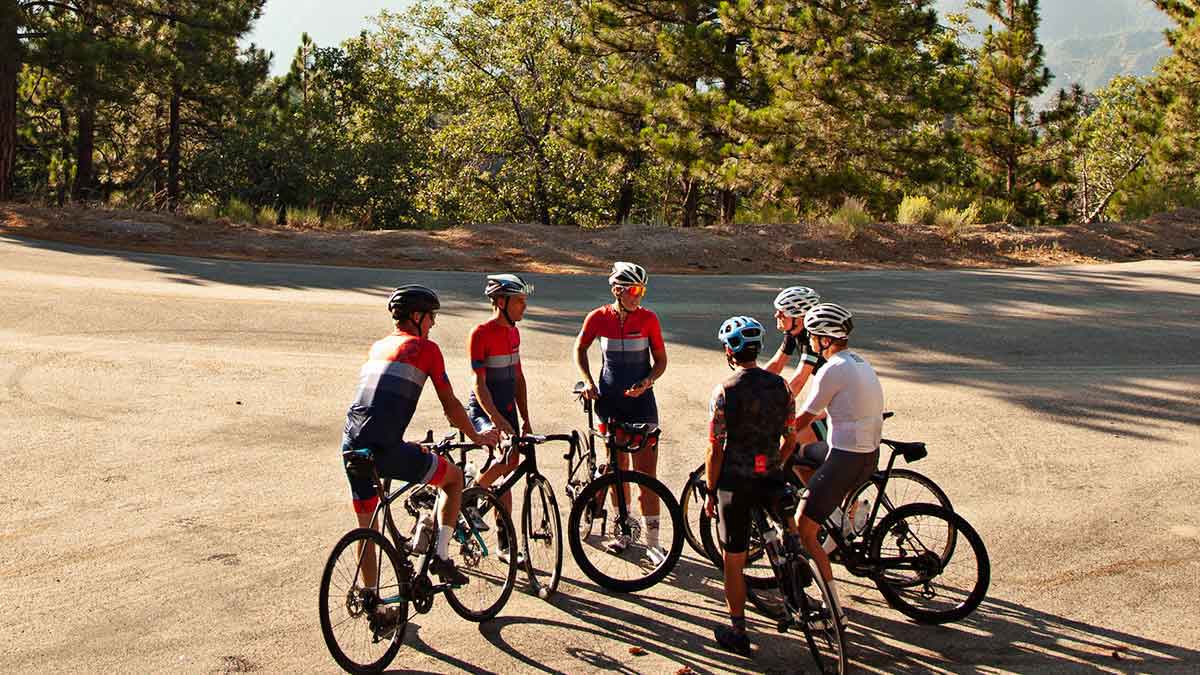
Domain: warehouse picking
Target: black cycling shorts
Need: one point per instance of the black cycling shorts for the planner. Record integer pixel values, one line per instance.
(838, 472)
(735, 506)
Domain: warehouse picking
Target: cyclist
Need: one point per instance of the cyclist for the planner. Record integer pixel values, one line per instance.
(634, 356)
(749, 432)
(790, 306)
(849, 390)
(498, 392)
(390, 384)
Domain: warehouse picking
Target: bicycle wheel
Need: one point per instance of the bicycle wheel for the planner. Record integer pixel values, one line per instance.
(615, 551)
(822, 631)
(363, 624)
(488, 557)
(541, 537)
(904, 486)
(691, 507)
(907, 545)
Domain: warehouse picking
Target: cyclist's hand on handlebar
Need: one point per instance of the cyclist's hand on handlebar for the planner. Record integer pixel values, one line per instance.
(504, 427)
(591, 392)
(526, 428)
(710, 505)
(489, 438)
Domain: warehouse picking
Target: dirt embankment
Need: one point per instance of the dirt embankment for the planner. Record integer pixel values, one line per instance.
(736, 249)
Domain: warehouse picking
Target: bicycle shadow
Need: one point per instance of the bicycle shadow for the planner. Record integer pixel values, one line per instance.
(1003, 635)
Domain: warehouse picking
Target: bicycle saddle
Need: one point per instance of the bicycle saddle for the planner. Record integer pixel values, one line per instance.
(631, 436)
(910, 451)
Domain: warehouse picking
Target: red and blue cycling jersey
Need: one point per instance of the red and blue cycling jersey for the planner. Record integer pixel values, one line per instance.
(625, 347)
(389, 386)
(496, 351)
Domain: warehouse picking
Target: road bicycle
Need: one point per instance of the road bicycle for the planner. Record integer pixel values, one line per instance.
(926, 560)
(792, 572)
(370, 582)
(541, 525)
(621, 543)
(904, 486)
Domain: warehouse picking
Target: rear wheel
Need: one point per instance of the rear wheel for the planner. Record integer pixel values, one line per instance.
(541, 535)
(363, 623)
(487, 557)
(691, 507)
(621, 551)
(908, 545)
(904, 486)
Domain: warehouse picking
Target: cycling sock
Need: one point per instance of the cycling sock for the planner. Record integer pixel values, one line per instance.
(443, 542)
(739, 623)
(650, 524)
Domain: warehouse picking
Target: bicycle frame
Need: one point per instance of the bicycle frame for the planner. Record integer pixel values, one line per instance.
(528, 467)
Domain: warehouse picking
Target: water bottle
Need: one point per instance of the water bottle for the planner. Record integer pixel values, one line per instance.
(837, 519)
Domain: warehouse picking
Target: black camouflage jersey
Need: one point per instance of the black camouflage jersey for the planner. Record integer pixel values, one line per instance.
(751, 411)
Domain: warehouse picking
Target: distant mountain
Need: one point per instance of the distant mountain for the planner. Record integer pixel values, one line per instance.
(1090, 41)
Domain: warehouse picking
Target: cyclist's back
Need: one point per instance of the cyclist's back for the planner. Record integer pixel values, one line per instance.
(848, 388)
(756, 405)
(389, 386)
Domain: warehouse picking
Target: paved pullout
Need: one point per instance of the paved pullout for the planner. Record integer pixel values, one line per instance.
(172, 484)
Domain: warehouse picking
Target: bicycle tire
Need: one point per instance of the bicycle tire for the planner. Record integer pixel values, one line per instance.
(473, 553)
(356, 612)
(827, 643)
(897, 590)
(598, 489)
(539, 498)
(691, 507)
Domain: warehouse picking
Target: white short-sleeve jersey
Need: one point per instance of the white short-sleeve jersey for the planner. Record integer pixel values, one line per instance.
(848, 388)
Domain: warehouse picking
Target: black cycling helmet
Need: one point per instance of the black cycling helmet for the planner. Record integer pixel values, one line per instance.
(411, 298)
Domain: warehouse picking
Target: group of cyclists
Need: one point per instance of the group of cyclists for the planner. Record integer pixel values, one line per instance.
(755, 432)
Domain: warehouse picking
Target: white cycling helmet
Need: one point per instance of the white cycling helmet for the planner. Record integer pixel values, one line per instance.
(627, 274)
(794, 301)
(829, 320)
(506, 284)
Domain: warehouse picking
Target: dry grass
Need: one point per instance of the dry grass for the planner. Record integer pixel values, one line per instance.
(916, 210)
(954, 224)
(850, 220)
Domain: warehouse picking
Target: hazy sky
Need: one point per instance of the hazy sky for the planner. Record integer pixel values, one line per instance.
(327, 22)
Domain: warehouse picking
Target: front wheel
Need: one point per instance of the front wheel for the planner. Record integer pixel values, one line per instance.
(908, 546)
(822, 630)
(614, 540)
(363, 601)
(541, 534)
(487, 556)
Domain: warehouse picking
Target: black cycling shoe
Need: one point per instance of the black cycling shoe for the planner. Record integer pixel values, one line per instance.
(447, 572)
(732, 640)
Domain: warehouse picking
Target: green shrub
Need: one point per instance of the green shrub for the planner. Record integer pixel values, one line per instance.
(955, 223)
(851, 219)
(916, 210)
(239, 211)
(303, 217)
(266, 217)
(340, 221)
(201, 211)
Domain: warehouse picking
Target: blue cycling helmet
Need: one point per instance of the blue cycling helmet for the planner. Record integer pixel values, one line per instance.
(739, 331)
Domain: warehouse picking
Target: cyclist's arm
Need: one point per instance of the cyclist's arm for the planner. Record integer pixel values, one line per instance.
(523, 402)
(581, 358)
(457, 415)
(800, 378)
(716, 445)
(777, 362)
(788, 445)
(659, 357)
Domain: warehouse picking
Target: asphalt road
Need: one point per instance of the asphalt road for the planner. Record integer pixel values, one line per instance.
(172, 485)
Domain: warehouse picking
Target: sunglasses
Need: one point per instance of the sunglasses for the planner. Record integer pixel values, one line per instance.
(636, 291)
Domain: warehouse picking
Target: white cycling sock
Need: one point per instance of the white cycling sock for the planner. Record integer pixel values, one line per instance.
(443, 542)
(650, 526)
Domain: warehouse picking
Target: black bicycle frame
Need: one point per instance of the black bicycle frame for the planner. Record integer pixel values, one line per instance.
(527, 445)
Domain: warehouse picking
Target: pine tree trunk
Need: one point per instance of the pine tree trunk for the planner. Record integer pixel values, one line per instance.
(85, 150)
(728, 206)
(173, 148)
(64, 132)
(10, 66)
(691, 201)
(626, 195)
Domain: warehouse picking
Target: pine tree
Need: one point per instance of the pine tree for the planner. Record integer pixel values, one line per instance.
(1001, 129)
(1177, 90)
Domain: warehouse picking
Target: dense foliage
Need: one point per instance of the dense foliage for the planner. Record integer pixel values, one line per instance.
(586, 112)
